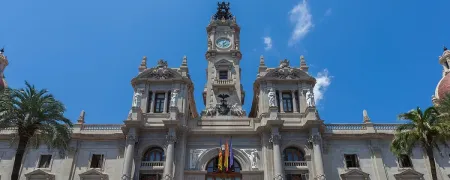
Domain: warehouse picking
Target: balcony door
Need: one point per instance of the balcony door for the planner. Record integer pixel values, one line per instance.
(234, 173)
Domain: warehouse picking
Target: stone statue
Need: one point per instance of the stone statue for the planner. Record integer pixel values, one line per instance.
(366, 118)
(174, 97)
(271, 96)
(237, 110)
(210, 111)
(310, 99)
(253, 158)
(137, 98)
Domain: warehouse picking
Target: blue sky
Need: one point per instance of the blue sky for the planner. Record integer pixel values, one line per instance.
(377, 55)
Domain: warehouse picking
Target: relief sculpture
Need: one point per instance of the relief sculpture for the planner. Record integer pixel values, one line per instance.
(195, 154)
(253, 156)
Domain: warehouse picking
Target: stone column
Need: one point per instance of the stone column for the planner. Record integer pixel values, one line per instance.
(275, 139)
(294, 101)
(129, 156)
(267, 155)
(316, 142)
(152, 105)
(280, 101)
(181, 153)
(169, 163)
(302, 100)
(166, 100)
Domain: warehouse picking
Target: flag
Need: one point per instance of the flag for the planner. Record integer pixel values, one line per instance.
(219, 162)
(227, 154)
(231, 154)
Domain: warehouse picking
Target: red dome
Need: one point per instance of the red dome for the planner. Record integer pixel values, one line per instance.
(443, 86)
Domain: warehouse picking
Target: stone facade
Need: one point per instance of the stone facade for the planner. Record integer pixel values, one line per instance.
(281, 137)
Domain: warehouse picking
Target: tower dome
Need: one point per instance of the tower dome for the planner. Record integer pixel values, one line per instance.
(443, 86)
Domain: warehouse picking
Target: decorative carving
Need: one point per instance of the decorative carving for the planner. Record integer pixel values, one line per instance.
(209, 44)
(253, 155)
(170, 139)
(223, 108)
(314, 139)
(284, 63)
(131, 138)
(271, 96)
(223, 12)
(137, 98)
(161, 71)
(195, 155)
(237, 110)
(168, 177)
(174, 97)
(211, 110)
(278, 177)
(162, 64)
(285, 73)
(310, 99)
(320, 177)
(274, 138)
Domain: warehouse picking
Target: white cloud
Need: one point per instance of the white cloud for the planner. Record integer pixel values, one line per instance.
(328, 12)
(323, 80)
(268, 43)
(302, 20)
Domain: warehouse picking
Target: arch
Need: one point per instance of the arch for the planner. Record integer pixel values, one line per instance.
(209, 154)
(153, 154)
(292, 153)
(210, 166)
(303, 148)
(149, 149)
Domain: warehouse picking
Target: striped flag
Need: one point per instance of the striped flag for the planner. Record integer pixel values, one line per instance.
(227, 155)
(219, 162)
(231, 154)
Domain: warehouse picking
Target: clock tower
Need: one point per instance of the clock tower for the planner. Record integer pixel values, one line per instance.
(223, 94)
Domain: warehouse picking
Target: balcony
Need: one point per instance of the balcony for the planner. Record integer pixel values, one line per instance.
(223, 82)
(295, 165)
(152, 165)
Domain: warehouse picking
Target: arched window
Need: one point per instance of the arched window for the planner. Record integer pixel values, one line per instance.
(214, 174)
(153, 154)
(293, 154)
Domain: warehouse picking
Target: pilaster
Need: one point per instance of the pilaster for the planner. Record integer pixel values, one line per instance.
(131, 140)
(377, 160)
(316, 141)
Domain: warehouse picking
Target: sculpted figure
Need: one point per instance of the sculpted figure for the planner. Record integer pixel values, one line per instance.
(310, 99)
(237, 110)
(211, 110)
(271, 96)
(174, 97)
(137, 98)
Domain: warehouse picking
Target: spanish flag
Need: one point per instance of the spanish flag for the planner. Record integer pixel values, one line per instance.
(227, 154)
(219, 162)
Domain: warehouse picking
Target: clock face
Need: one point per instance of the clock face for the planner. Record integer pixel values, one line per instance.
(223, 43)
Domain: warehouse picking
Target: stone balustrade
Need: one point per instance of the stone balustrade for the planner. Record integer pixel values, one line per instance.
(295, 164)
(222, 82)
(149, 165)
(360, 128)
(101, 127)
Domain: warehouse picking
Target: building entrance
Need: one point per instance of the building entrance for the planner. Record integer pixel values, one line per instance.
(213, 173)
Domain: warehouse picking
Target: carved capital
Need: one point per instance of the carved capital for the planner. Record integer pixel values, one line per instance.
(170, 139)
(168, 177)
(184, 129)
(315, 139)
(278, 177)
(131, 138)
(275, 138)
(320, 177)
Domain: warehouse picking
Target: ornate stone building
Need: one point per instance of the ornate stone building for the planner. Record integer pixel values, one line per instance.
(281, 137)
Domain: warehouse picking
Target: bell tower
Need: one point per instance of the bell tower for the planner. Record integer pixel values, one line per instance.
(223, 94)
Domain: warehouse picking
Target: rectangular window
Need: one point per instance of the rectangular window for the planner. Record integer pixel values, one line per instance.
(351, 161)
(287, 102)
(159, 102)
(404, 161)
(223, 74)
(44, 161)
(149, 101)
(168, 101)
(97, 161)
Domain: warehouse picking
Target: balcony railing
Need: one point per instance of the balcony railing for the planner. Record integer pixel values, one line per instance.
(223, 82)
(295, 165)
(101, 127)
(152, 165)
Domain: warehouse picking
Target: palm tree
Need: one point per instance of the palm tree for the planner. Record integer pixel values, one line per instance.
(38, 118)
(425, 129)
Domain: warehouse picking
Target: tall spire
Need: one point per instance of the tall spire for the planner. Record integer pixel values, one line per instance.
(261, 61)
(303, 65)
(143, 65)
(184, 62)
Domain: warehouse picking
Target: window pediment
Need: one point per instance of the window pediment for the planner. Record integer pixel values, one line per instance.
(223, 62)
(408, 174)
(93, 173)
(355, 173)
(159, 73)
(288, 73)
(39, 173)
